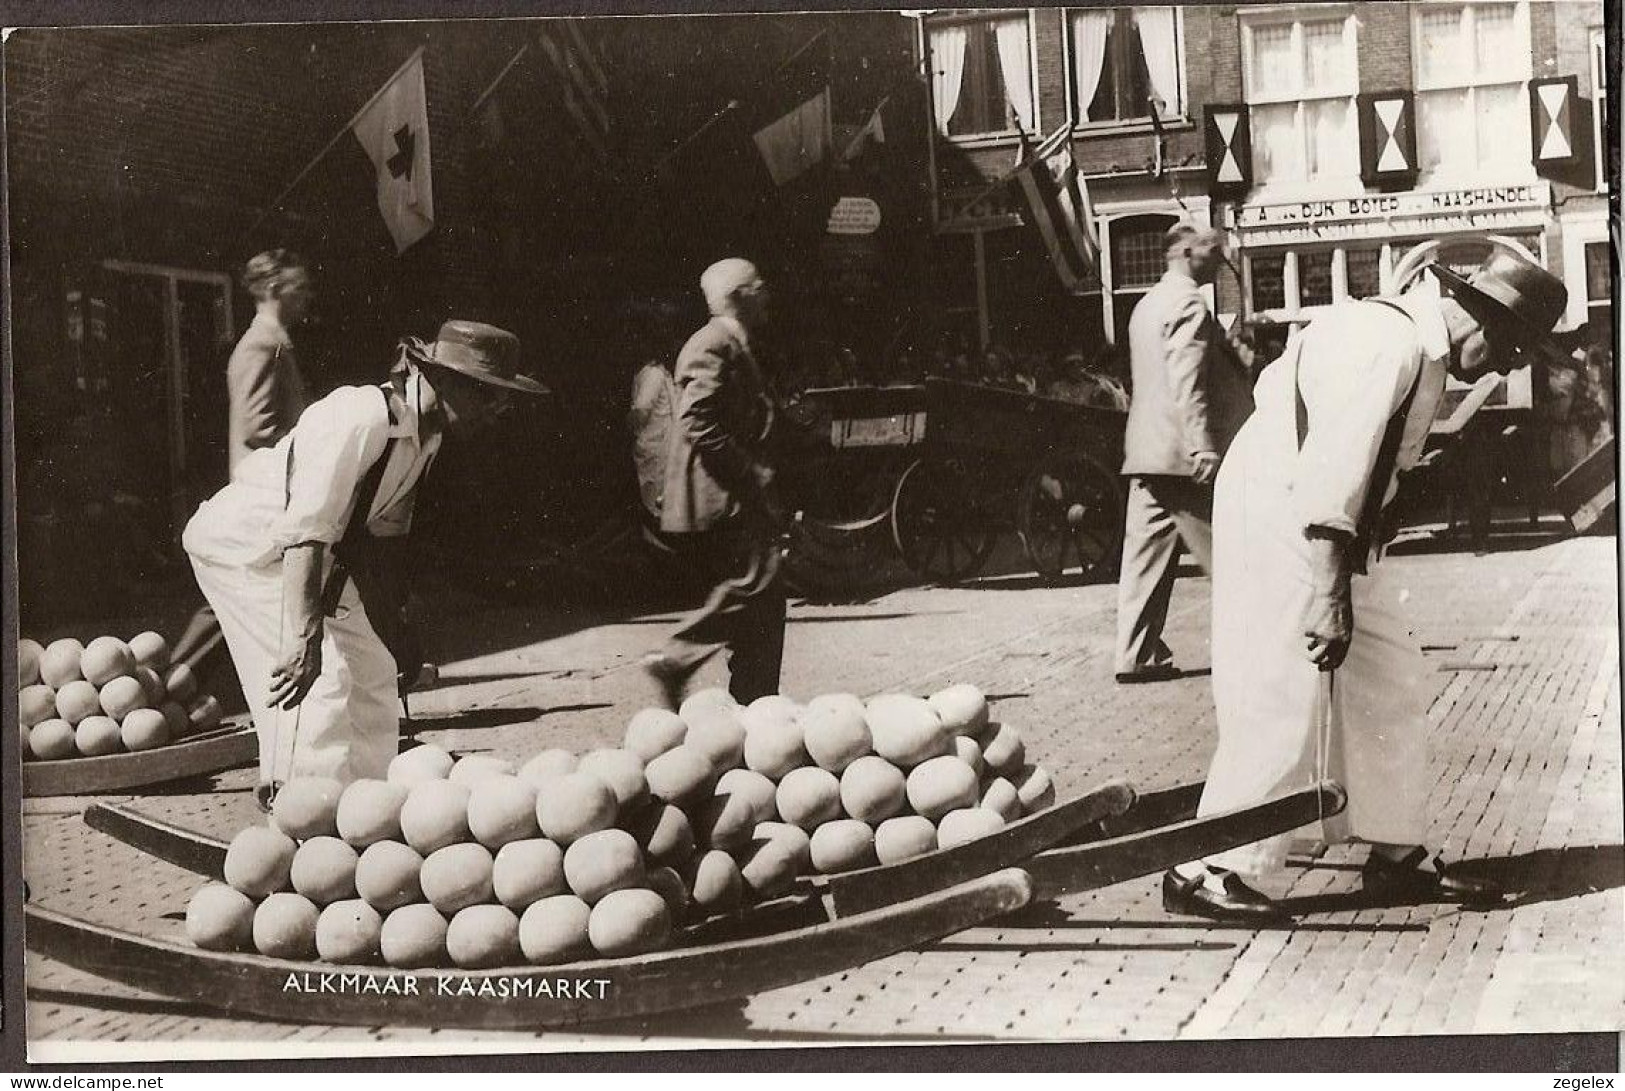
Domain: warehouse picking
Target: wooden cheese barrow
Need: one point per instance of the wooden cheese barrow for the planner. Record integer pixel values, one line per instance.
(829, 923)
(197, 755)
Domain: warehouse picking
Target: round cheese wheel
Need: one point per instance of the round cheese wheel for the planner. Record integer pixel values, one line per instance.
(967, 824)
(740, 800)
(259, 861)
(835, 732)
(554, 930)
(285, 927)
(77, 701)
(1001, 798)
(52, 740)
(527, 871)
(435, 815)
(122, 696)
(629, 922)
(809, 797)
(653, 731)
(104, 659)
(482, 936)
(575, 805)
(666, 834)
(843, 845)
(144, 729)
(324, 870)
(36, 704)
(714, 883)
(546, 766)
(602, 862)
(622, 770)
(1005, 751)
(941, 785)
(873, 789)
(151, 650)
(349, 933)
(471, 770)
(181, 683)
(98, 736)
(308, 807)
(502, 809)
(679, 776)
(413, 938)
(220, 918)
(387, 875)
(28, 657)
(1036, 789)
(961, 707)
(457, 876)
(59, 662)
(903, 838)
(906, 731)
(370, 811)
(423, 762)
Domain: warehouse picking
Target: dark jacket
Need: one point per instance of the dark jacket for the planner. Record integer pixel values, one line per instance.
(716, 461)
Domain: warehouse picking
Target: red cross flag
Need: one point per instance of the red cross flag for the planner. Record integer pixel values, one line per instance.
(394, 130)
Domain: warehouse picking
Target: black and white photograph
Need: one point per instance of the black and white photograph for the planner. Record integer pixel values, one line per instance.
(555, 534)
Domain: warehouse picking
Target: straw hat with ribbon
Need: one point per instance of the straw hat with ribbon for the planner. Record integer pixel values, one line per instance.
(482, 352)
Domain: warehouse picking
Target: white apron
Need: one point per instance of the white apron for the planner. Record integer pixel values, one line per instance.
(1279, 731)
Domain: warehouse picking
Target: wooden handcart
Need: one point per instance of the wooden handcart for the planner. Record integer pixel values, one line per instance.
(998, 460)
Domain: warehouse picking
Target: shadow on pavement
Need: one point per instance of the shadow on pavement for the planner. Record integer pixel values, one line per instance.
(480, 718)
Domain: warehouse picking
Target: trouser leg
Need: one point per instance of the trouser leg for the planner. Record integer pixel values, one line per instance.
(744, 612)
(1145, 582)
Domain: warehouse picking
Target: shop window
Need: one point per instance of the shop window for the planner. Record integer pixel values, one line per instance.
(1315, 279)
(1269, 282)
(1139, 259)
(1364, 273)
(1301, 77)
(981, 74)
(1122, 59)
(1472, 66)
(1599, 286)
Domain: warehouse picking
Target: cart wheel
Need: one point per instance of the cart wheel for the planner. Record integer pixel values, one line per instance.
(1071, 512)
(936, 524)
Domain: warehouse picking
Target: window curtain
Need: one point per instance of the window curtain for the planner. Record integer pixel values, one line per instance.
(1158, 41)
(1089, 32)
(1015, 65)
(947, 72)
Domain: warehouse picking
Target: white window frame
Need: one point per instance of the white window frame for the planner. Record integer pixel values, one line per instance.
(1599, 94)
(1475, 173)
(1178, 115)
(1197, 209)
(1296, 16)
(1590, 226)
(985, 16)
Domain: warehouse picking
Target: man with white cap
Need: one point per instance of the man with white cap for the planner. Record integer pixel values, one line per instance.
(1315, 673)
(721, 506)
(282, 553)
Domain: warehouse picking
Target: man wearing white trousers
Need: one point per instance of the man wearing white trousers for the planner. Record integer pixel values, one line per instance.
(1191, 394)
(282, 552)
(1315, 673)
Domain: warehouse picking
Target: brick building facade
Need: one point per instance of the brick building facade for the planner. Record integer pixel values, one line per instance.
(1313, 218)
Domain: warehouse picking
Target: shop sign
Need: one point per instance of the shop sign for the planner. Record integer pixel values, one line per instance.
(854, 216)
(1414, 204)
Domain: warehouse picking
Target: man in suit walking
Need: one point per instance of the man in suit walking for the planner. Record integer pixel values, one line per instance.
(1190, 396)
(721, 506)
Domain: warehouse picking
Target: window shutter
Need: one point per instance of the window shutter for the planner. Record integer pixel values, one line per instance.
(1554, 136)
(1388, 139)
(1229, 150)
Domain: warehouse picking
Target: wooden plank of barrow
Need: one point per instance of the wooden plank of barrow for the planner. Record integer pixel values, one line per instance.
(864, 889)
(211, 752)
(1089, 867)
(173, 844)
(526, 997)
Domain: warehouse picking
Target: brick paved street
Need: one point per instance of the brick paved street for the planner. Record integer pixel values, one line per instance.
(1527, 758)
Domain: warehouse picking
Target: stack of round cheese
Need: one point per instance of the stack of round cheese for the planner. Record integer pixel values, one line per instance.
(479, 862)
(106, 697)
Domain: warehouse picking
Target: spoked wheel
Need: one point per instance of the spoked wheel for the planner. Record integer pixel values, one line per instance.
(1071, 514)
(936, 523)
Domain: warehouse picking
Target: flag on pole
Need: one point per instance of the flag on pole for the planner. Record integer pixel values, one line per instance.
(1058, 206)
(394, 131)
(582, 83)
(873, 131)
(791, 123)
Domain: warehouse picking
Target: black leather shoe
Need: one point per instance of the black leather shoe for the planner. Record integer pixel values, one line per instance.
(1239, 902)
(1407, 879)
(1157, 672)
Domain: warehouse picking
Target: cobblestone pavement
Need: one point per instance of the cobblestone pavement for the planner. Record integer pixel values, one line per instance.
(1526, 729)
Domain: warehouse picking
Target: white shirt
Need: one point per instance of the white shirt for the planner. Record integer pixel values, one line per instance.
(1354, 367)
(303, 489)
